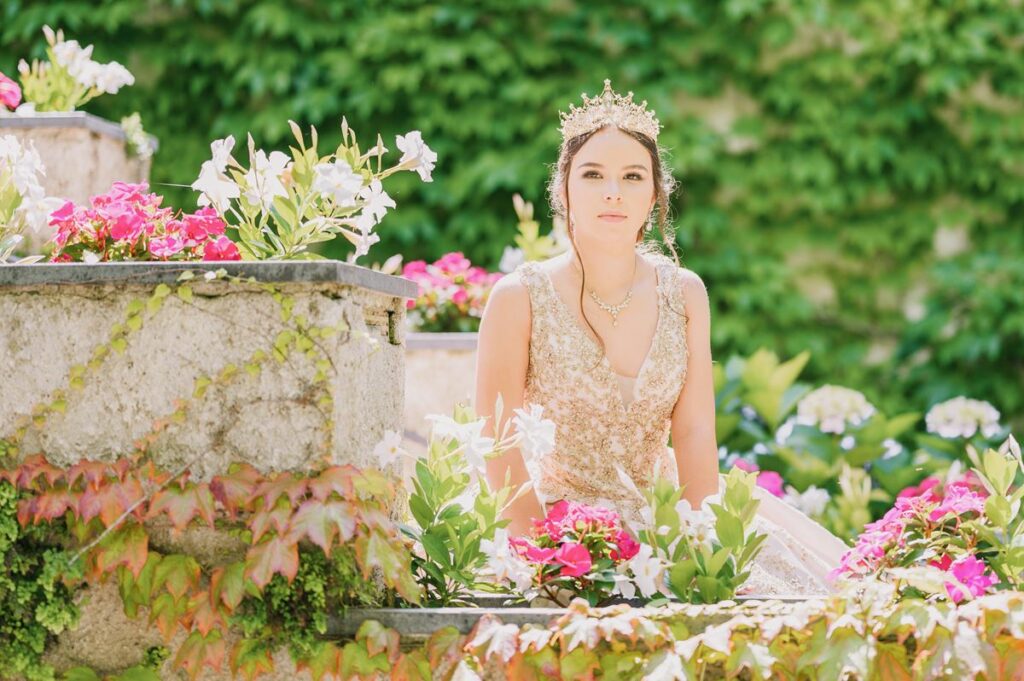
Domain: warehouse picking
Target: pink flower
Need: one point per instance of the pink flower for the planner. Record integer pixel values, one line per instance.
(958, 501)
(460, 297)
(124, 222)
(10, 93)
(124, 192)
(204, 223)
(926, 488)
(746, 466)
(971, 573)
(626, 546)
(575, 559)
(221, 248)
(531, 551)
(772, 482)
(942, 563)
(411, 269)
(453, 263)
(166, 246)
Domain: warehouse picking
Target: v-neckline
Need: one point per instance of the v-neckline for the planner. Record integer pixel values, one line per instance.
(614, 384)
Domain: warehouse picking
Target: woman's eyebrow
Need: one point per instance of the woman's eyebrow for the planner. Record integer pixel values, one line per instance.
(598, 165)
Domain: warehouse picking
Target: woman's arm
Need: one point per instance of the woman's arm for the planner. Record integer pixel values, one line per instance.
(503, 351)
(693, 417)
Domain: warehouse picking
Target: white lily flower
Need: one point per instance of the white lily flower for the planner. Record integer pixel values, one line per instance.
(647, 570)
(221, 152)
(417, 156)
(263, 181)
(538, 434)
(811, 501)
(337, 181)
(377, 200)
(389, 449)
(215, 188)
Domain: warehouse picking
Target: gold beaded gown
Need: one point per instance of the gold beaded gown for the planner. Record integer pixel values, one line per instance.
(605, 420)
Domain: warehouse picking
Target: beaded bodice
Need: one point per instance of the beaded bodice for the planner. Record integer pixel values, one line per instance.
(596, 427)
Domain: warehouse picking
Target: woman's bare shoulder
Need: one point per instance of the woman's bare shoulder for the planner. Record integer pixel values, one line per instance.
(509, 301)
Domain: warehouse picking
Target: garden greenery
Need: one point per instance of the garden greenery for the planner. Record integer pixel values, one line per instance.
(849, 175)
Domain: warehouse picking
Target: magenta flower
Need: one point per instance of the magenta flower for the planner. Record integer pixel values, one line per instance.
(166, 246)
(746, 466)
(453, 263)
(201, 225)
(626, 546)
(958, 501)
(531, 551)
(414, 268)
(575, 559)
(124, 221)
(221, 248)
(460, 297)
(772, 482)
(10, 93)
(926, 488)
(971, 573)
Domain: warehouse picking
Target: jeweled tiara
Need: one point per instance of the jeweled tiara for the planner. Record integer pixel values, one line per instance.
(609, 108)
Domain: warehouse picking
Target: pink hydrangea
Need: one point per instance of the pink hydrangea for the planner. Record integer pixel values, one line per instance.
(959, 501)
(453, 263)
(771, 482)
(626, 546)
(166, 246)
(926, 488)
(202, 224)
(10, 92)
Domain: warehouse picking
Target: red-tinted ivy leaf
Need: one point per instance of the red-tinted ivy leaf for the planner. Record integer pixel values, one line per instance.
(165, 611)
(279, 555)
(250, 658)
(33, 467)
(235, 489)
(445, 646)
(227, 584)
(201, 650)
(92, 472)
(376, 549)
(324, 662)
(205, 614)
(128, 545)
(412, 666)
(378, 639)
(336, 479)
(110, 501)
(137, 590)
(278, 518)
(49, 505)
(283, 484)
(182, 505)
(177, 573)
(321, 522)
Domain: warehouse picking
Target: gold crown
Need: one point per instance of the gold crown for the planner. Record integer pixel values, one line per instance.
(609, 108)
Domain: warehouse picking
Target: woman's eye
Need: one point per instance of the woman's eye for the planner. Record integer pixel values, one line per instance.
(590, 173)
(635, 176)
(630, 176)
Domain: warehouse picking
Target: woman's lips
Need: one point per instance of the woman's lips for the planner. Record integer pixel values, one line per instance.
(611, 217)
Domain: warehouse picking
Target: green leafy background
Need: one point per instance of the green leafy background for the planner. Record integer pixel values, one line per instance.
(824, 148)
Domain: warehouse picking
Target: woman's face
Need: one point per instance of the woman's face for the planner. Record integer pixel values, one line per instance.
(611, 188)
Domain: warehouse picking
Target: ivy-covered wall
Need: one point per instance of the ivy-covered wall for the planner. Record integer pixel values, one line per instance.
(851, 172)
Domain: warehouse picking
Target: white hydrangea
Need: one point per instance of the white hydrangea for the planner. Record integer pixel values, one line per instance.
(812, 501)
(962, 417)
(831, 408)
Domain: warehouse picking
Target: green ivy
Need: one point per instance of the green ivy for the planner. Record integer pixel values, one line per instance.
(35, 596)
(865, 129)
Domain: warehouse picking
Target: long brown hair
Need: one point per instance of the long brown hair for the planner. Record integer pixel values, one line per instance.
(664, 184)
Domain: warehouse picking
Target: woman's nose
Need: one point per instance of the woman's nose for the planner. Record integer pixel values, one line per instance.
(612, 193)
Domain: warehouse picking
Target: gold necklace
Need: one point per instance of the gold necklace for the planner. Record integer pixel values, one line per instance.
(614, 310)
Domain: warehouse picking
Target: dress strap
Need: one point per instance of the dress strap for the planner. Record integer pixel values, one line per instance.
(536, 282)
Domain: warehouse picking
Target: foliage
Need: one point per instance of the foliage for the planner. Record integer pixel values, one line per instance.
(849, 171)
(530, 244)
(282, 206)
(958, 539)
(707, 550)
(37, 586)
(856, 635)
(452, 293)
(454, 509)
(311, 542)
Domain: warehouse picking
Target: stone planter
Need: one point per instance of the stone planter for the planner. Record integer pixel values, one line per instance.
(187, 380)
(440, 370)
(83, 154)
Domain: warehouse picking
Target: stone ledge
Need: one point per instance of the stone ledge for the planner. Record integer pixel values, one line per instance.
(418, 340)
(151, 273)
(68, 119)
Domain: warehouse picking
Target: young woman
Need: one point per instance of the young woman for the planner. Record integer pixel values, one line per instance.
(613, 340)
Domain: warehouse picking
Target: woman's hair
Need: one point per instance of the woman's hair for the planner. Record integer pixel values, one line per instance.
(664, 184)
